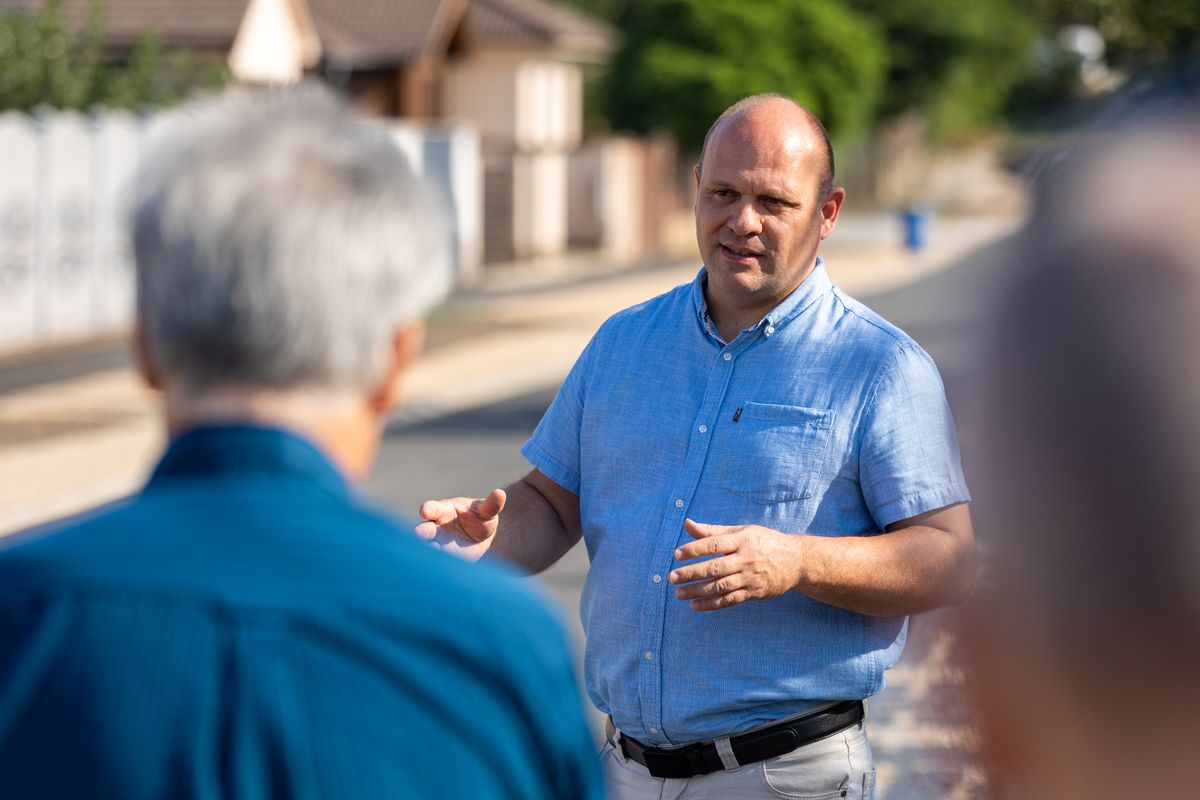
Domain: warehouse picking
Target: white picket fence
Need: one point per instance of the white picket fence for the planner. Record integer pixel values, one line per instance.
(65, 268)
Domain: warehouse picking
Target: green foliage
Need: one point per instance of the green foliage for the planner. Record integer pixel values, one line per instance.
(957, 61)
(960, 62)
(44, 62)
(682, 62)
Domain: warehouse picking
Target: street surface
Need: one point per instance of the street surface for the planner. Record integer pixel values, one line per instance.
(76, 428)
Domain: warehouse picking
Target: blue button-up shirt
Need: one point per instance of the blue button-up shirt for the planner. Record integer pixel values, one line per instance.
(823, 418)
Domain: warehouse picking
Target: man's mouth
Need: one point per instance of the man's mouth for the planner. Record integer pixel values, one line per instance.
(739, 252)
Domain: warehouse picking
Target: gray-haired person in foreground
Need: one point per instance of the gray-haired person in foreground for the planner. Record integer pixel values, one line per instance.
(247, 626)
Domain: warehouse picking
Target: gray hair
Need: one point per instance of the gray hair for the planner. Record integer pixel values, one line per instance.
(280, 242)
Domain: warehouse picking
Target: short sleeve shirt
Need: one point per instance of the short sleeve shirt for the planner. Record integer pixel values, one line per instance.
(823, 419)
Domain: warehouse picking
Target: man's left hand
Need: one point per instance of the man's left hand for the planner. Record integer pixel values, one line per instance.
(753, 563)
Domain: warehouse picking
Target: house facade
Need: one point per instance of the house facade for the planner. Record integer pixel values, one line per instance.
(511, 70)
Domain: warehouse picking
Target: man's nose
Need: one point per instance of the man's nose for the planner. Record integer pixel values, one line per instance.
(744, 219)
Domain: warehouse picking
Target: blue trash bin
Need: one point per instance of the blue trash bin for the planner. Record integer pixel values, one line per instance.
(916, 227)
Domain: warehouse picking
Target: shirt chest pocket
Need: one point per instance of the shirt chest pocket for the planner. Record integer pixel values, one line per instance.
(775, 453)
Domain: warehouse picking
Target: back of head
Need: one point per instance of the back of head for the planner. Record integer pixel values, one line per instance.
(279, 242)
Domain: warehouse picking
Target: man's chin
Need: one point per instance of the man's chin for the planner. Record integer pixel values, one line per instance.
(736, 278)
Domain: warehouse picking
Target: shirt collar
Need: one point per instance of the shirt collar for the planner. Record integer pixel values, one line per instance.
(245, 450)
(814, 286)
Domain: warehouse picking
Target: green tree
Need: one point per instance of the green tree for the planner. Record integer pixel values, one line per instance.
(956, 61)
(44, 62)
(682, 62)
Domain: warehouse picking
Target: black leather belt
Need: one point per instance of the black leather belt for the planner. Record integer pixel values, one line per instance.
(702, 757)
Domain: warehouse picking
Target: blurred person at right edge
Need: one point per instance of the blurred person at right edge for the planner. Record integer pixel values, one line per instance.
(1082, 648)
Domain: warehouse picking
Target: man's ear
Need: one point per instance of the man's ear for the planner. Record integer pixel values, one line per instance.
(406, 344)
(830, 209)
(143, 359)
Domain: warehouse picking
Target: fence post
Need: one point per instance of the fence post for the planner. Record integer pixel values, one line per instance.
(18, 231)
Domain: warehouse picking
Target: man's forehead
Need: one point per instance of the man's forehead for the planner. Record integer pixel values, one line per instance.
(763, 135)
(780, 155)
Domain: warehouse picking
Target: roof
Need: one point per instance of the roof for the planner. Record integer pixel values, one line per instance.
(384, 31)
(537, 22)
(353, 32)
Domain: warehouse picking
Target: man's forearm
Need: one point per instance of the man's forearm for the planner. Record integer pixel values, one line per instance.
(890, 575)
(533, 533)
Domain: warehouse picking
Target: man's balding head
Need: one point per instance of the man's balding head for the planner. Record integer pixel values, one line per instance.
(783, 114)
(764, 202)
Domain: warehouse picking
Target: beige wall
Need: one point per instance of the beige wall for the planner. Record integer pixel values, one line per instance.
(482, 92)
(516, 100)
(528, 110)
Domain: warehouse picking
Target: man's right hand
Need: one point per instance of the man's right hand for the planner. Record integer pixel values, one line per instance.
(462, 526)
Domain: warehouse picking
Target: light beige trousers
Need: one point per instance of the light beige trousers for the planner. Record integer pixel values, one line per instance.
(839, 767)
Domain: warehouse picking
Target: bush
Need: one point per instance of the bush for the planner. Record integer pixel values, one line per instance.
(957, 62)
(43, 62)
(683, 62)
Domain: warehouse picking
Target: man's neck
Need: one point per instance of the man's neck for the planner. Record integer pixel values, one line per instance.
(344, 430)
(731, 318)
(729, 323)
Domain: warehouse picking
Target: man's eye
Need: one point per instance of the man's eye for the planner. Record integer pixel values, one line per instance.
(723, 193)
(774, 202)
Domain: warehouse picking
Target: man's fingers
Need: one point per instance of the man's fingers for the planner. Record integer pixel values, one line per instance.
(709, 546)
(447, 512)
(444, 512)
(433, 510)
(705, 570)
(701, 530)
(490, 506)
(723, 601)
(712, 588)
(461, 516)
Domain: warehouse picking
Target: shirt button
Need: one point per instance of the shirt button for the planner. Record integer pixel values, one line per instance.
(649, 656)
(703, 429)
(654, 731)
(729, 356)
(770, 329)
(657, 579)
(679, 504)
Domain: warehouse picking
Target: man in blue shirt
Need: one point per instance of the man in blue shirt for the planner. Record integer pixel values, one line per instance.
(247, 626)
(759, 446)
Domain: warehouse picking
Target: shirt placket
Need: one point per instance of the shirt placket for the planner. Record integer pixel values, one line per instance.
(658, 589)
